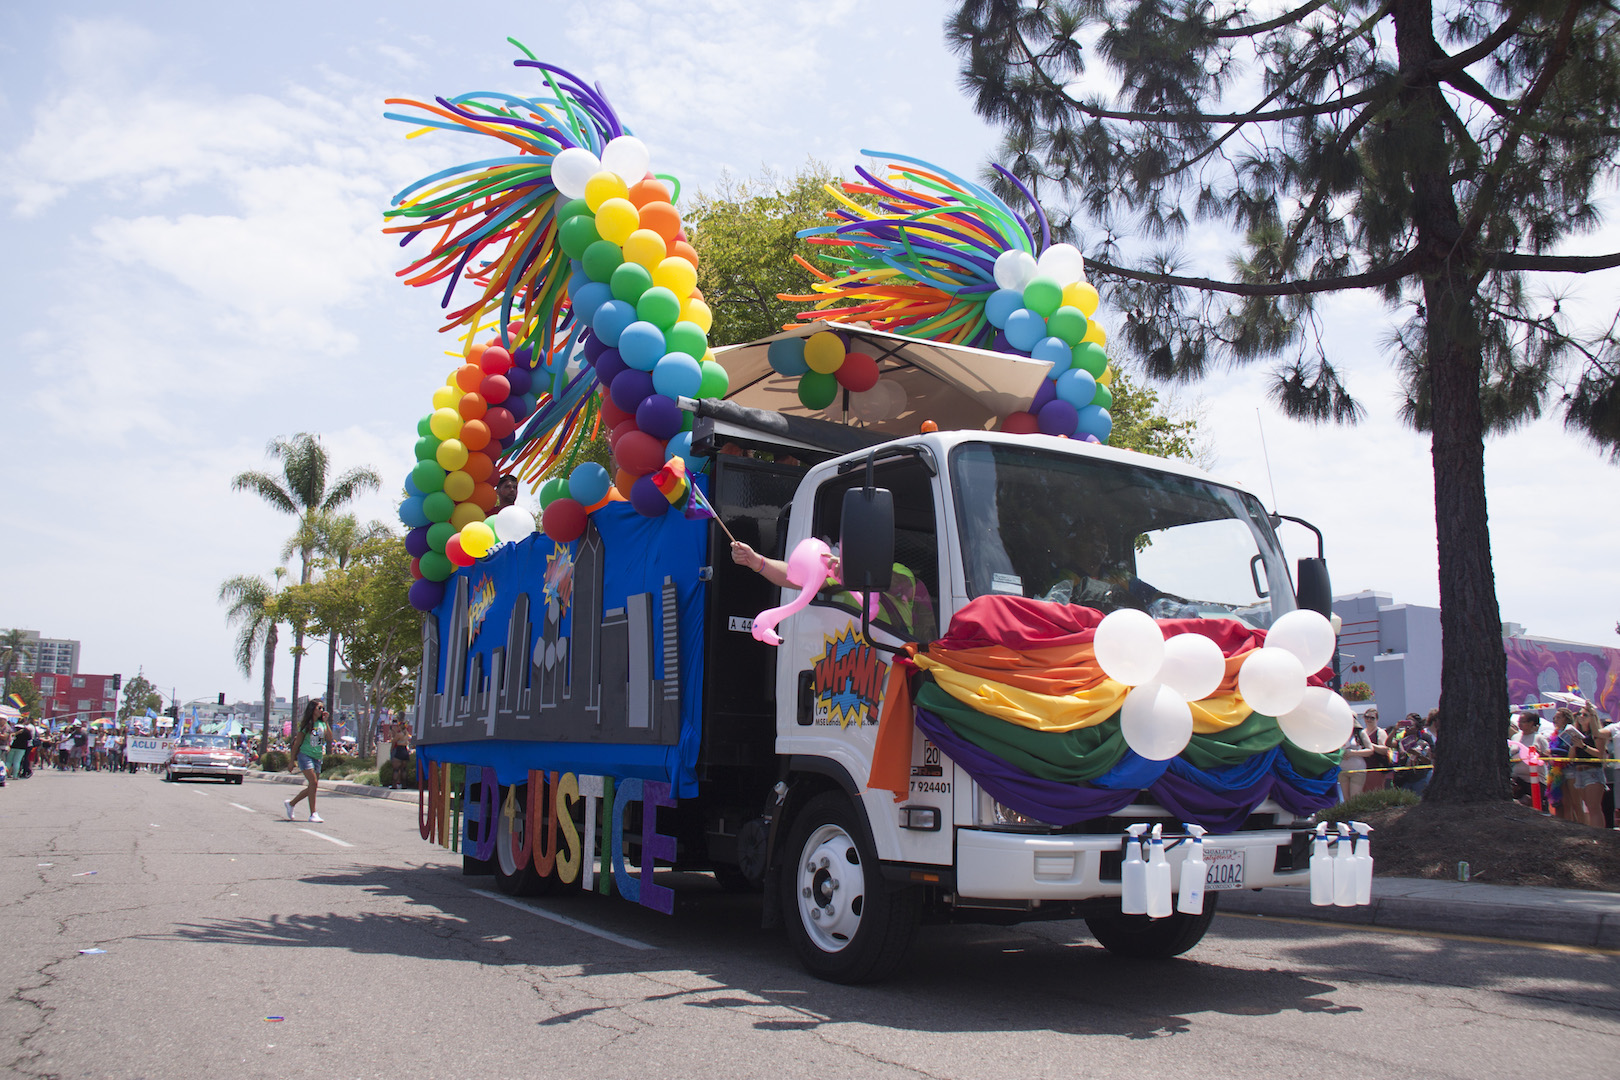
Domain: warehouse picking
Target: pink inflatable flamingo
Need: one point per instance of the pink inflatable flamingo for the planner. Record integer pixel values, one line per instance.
(807, 569)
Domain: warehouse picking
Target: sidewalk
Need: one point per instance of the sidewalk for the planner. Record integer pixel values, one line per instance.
(1521, 912)
(338, 787)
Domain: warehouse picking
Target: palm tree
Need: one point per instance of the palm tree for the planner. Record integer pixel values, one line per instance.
(253, 608)
(336, 538)
(15, 645)
(302, 492)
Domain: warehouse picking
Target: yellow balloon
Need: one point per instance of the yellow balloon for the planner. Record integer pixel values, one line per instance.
(616, 219)
(824, 352)
(695, 311)
(1106, 378)
(445, 423)
(477, 538)
(465, 513)
(444, 398)
(458, 485)
(451, 455)
(1095, 333)
(647, 248)
(677, 275)
(602, 187)
(1082, 296)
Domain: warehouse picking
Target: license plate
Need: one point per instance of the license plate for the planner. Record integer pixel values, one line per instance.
(1224, 869)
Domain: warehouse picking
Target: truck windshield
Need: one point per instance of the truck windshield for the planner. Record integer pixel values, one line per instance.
(1110, 535)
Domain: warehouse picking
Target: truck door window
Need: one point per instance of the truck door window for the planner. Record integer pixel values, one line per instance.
(907, 609)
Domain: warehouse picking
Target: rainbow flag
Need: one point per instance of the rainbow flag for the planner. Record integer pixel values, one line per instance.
(671, 480)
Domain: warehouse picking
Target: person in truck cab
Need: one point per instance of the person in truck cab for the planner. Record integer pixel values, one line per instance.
(905, 604)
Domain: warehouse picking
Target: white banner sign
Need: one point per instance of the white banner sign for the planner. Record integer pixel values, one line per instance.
(150, 749)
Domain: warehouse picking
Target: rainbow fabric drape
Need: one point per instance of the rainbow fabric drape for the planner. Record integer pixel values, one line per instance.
(1013, 694)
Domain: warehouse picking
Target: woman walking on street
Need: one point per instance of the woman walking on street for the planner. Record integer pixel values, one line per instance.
(312, 740)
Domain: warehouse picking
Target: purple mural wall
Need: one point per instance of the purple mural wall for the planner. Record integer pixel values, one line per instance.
(1534, 666)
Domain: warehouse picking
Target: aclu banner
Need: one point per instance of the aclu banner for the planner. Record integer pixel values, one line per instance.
(150, 749)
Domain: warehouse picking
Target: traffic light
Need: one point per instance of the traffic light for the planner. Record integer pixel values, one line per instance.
(118, 683)
(222, 697)
(172, 711)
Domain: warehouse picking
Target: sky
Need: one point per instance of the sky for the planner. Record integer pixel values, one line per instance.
(190, 211)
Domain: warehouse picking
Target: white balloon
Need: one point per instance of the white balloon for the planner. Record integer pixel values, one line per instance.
(1321, 723)
(513, 524)
(1306, 634)
(1155, 722)
(870, 405)
(1014, 269)
(1272, 681)
(1129, 647)
(1064, 262)
(571, 168)
(627, 156)
(894, 394)
(1193, 666)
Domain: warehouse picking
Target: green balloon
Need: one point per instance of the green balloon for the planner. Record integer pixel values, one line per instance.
(1103, 397)
(552, 490)
(435, 566)
(422, 427)
(1067, 323)
(426, 447)
(816, 390)
(572, 209)
(578, 233)
(629, 281)
(715, 381)
(428, 476)
(689, 338)
(1089, 356)
(1043, 295)
(439, 534)
(660, 307)
(438, 506)
(601, 259)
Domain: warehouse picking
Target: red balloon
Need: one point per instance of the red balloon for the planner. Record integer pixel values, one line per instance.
(563, 520)
(495, 388)
(1020, 423)
(858, 372)
(495, 360)
(472, 405)
(416, 568)
(620, 431)
(639, 453)
(612, 415)
(500, 421)
(453, 552)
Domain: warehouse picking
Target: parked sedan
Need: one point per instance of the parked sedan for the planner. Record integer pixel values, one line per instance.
(206, 755)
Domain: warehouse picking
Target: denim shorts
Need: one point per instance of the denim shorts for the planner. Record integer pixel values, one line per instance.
(309, 764)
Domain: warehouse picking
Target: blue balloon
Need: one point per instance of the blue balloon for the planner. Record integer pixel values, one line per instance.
(680, 446)
(642, 345)
(611, 319)
(410, 486)
(577, 277)
(677, 375)
(412, 514)
(1024, 329)
(588, 484)
(1001, 305)
(1077, 387)
(1055, 352)
(590, 297)
(1094, 420)
(787, 357)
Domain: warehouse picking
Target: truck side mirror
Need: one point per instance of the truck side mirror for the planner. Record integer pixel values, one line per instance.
(866, 539)
(1315, 590)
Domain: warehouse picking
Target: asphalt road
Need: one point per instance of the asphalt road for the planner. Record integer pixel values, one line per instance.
(238, 944)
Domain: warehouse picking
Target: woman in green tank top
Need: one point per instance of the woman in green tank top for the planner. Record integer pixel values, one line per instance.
(312, 740)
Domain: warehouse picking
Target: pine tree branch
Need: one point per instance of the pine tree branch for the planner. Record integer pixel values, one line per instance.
(1481, 49)
(1468, 86)
(1253, 116)
(1405, 266)
(1566, 264)
(1261, 28)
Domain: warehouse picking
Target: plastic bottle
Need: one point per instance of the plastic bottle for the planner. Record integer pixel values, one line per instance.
(1321, 869)
(1344, 870)
(1133, 876)
(1159, 904)
(1364, 862)
(1190, 901)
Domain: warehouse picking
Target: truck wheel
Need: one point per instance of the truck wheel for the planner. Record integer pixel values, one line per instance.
(847, 923)
(510, 878)
(1142, 938)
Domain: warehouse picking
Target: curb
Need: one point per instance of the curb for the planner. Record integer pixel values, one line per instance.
(1570, 917)
(339, 787)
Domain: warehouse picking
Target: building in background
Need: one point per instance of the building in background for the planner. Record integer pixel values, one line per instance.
(77, 697)
(48, 656)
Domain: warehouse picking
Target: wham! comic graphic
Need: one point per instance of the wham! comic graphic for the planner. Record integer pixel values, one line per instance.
(848, 679)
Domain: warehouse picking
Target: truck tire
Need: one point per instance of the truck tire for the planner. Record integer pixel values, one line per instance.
(847, 923)
(1142, 938)
(510, 878)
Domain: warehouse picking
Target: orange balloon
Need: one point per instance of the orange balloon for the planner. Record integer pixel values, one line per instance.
(475, 434)
(624, 481)
(682, 250)
(484, 498)
(475, 352)
(479, 466)
(661, 218)
(643, 192)
(469, 376)
(472, 406)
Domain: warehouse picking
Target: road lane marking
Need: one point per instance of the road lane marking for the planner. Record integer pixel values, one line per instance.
(1401, 931)
(332, 839)
(608, 935)
(249, 809)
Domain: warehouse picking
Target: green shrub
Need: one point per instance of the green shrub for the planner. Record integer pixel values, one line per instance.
(274, 761)
(1368, 802)
(369, 779)
(335, 765)
(385, 775)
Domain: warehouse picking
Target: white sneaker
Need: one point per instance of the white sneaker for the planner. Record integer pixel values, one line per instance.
(288, 804)
(317, 819)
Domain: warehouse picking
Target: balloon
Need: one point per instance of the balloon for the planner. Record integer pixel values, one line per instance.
(445, 397)
(1045, 393)
(1320, 723)
(1043, 295)
(824, 352)
(1076, 387)
(495, 361)
(501, 422)
(870, 406)
(685, 337)
(1094, 420)
(588, 299)
(412, 514)
(894, 394)
(1095, 333)
(1020, 423)
(1057, 418)
(642, 345)
(426, 447)
(647, 499)
(715, 381)
(451, 455)
(485, 497)
(858, 372)
(459, 486)
(577, 234)
(1090, 357)
(786, 357)
(477, 538)
(1155, 722)
(659, 417)
(611, 319)
(1193, 666)
(446, 424)
(422, 429)
(438, 506)
(613, 416)
(663, 219)
(428, 477)
(676, 275)
(512, 524)
(817, 390)
(645, 248)
(1272, 681)
(1106, 378)
(439, 533)
(1129, 646)
(608, 366)
(696, 312)
(468, 376)
(588, 483)
(640, 453)
(677, 375)
(471, 406)
(495, 389)
(648, 190)
(616, 219)
(1014, 269)
(627, 156)
(1103, 399)
(426, 595)
(680, 249)
(601, 259)
(1067, 325)
(466, 512)
(1082, 296)
(1062, 262)
(1308, 635)
(572, 169)
(1002, 303)
(1054, 352)
(679, 446)
(552, 490)
(1024, 329)
(658, 306)
(520, 377)
(435, 567)
(480, 466)
(572, 209)
(604, 186)
(630, 388)
(458, 555)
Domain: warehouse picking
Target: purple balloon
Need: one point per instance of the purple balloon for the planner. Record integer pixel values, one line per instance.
(1002, 345)
(519, 407)
(630, 387)
(608, 365)
(658, 416)
(507, 442)
(520, 379)
(593, 346)
(1057, 417)
(1047, 392)
(524, 357)
(647, 499)
(416, 542)
(426, 595)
